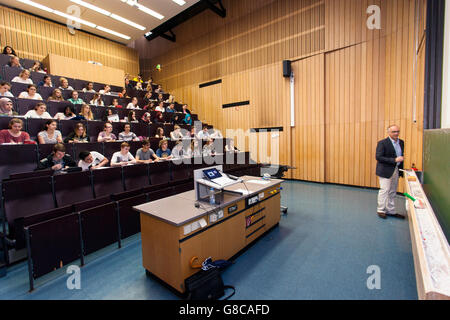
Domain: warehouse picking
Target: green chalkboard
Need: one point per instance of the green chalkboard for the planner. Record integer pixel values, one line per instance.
(436, 156)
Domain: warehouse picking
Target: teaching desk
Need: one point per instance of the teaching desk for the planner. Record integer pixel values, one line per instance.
(174, 230)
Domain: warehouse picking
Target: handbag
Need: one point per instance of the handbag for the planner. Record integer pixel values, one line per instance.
(206, 285)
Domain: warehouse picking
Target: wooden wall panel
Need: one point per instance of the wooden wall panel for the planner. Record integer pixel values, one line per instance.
(34, 38)
(351, 82)
(308, 135)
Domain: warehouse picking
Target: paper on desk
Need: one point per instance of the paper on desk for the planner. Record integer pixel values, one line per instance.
(244, 192)
(258, 181)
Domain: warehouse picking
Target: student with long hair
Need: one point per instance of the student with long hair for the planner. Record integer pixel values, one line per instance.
(50, 135)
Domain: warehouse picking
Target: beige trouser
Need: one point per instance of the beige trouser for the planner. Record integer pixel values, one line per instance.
(387, 193)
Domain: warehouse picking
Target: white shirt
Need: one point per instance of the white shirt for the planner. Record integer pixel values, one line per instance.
(98, 157)
(158, 108)
(20, 80)
(62, 116)
(25, 95)
(7, 94)
(34, 115)
(132, 106)
(119, 157)
(103, 92)
(203, 135)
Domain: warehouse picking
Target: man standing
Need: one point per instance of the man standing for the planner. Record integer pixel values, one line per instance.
(389, 157)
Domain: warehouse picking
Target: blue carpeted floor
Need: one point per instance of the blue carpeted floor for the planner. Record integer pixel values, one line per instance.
(321, 250)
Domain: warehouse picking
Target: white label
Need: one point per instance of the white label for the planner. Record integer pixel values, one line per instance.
(220, 214)
(203, 223)
(187, 229)
(195, 225)
(212, 217)
(261, 195)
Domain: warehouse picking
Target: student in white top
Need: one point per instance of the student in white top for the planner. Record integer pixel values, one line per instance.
(23, 77)
(39, 112)
(106, 90)
(97, 100)
(89, 87)
(91, 160)
(176, 134)
(64, 84)
(123, 157)
(203, 134)
(160, 107)
(31, 93)
(68, 114)
(4, 89)
(133, 104)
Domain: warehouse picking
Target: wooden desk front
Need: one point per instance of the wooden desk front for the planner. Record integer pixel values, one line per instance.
(172, 234)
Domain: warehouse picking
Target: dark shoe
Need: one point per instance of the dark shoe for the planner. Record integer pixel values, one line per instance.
(382, 215)
(396, 215)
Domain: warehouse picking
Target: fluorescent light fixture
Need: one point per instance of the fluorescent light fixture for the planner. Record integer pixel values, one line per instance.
(151, 12)
(67, 16)
(179, 2)
(148, 33)
(109, 14)
(120, 35)
(36, 5)
(92, 7)
(126, 21)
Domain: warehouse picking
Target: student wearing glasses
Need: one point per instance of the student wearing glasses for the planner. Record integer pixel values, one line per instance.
(106, 135)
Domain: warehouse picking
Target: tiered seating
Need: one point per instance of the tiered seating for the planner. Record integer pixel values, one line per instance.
(61, 218)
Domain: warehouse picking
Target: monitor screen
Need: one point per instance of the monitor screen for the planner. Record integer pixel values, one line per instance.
(212, 173)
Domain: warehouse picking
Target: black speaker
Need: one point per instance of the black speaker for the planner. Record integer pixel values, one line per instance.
(287, 68)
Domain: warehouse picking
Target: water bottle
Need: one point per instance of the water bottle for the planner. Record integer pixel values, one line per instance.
(212, 198)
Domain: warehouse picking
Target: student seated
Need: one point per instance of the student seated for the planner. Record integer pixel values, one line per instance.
(131, 117)
(182, 149)
(57, 160)
(159, 89)
(138, 86)
(106, 135)
(4, 89)
(160, 133)
(158, 117)
(85, 113)
(97, 100)
(64, 84)
(31, 93)
(46, 82)
(56, 96)
(176, 134)
(122, 157)
(185, 109)
(171, 108)
(229, 147)
(14, 133)
(39, 112)
(106, 90)
(187, 119)
(145, 154)
(204, 134)
(8, 50)
(78, 135)
(150, 107)
(110, 115)
(146, 118)
(195, 148)
(91, 160)
(216, 134)
(50, 135)
(133, 104)
(208, 148)
(74, 98)
(89, 87)
(127, 135)
(164, 152)
(23, 77)
(115, 104)
(37, 67)
(160, 107)
(6, 108)
(14, 62)
(123, 94)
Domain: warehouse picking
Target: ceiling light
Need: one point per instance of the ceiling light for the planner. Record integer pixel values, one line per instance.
(179, 2)
(65, 15)
(126, 21)
(36, 5)
(109, 14)
(120, 35)
(92, 7)
(151, 12)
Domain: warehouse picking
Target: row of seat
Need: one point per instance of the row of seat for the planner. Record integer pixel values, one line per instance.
(22, 106)
(17, 160)
(34, 126)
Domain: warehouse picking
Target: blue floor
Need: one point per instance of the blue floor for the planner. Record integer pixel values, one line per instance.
(321, 250)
